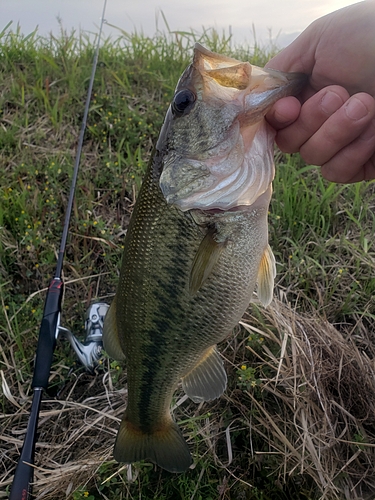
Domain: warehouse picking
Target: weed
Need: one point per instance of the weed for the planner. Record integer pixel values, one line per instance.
(260, 440)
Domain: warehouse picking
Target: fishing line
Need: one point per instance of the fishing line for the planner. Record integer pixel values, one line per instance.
(50, 324)
(65, 232)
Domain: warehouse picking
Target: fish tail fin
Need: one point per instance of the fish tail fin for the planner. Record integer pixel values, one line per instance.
(166, 447)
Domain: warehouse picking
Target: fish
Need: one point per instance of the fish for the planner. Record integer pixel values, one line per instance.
(195, 249)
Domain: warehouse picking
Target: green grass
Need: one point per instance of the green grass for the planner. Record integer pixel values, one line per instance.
(321, 234)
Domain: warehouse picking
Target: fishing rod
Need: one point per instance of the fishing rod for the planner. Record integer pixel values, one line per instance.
(88, 352)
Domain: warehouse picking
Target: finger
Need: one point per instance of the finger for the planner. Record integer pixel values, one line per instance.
(314, 112)
(283, 112)
(339, 130)
(368, 170)
(355, 162)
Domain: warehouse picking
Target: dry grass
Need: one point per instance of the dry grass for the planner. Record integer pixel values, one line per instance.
(315, 416)
(306, 429)
(324, 381)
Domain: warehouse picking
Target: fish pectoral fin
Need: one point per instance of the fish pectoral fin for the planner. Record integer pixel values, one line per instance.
(111, 341)
(166, 447)
(266, 277)
(207, 380)
(208, 254)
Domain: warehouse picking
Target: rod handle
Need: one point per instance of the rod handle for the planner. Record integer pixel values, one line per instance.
(24, 475)
(47, 334)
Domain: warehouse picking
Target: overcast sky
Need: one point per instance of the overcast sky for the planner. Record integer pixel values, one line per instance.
(285, 18)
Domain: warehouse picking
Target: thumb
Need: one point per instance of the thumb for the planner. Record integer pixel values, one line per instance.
(283, 112)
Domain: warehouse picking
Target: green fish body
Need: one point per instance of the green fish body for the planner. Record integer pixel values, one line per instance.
(196, 246)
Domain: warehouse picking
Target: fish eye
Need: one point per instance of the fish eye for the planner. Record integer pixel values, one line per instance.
(182, 100)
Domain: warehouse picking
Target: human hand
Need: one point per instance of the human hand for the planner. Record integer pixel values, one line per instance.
(335, 125)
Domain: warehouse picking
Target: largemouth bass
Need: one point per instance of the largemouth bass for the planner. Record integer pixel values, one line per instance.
(196, 246)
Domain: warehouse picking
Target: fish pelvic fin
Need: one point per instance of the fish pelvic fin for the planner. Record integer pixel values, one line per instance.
(266, 277)
(166, 447)
(207, 380)
(208, 254)
(111, 341)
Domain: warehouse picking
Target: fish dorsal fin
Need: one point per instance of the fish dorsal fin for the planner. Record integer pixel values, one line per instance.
(207, 380)
(111, 340)
(205, 259)
(266, 277)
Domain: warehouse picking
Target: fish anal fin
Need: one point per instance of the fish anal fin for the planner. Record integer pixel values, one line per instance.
(207, 380)
(266, 277)
(208, 254)
(166, 447)
(111, 341)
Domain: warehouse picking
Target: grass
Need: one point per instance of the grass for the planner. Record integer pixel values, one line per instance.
(296, 419)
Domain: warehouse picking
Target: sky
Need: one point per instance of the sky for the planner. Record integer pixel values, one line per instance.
(283, 19)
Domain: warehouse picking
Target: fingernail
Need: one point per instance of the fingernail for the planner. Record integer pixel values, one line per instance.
(355, 109)
(331, 102)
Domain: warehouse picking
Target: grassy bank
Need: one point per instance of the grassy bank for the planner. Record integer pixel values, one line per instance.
(297, 420)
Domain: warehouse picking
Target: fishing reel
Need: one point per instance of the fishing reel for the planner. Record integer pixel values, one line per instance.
(89, 351)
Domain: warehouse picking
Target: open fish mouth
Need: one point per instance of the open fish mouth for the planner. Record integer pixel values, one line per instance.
(219, 146)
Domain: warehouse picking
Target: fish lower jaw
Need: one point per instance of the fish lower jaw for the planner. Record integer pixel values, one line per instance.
(262, 202)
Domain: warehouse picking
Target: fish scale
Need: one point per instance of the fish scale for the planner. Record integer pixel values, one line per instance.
(162, 316)
(188, 273)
